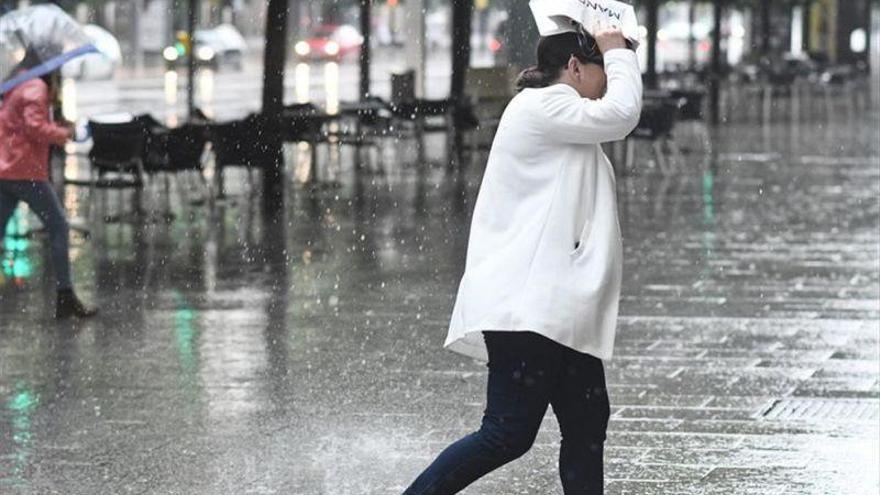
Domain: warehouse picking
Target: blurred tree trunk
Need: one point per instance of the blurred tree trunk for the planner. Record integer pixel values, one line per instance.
(766, 27)
(191, 20)
(692, 38)
(365, 55)
(716, 63)
(652, 24)
(462, 15)
(274, 56)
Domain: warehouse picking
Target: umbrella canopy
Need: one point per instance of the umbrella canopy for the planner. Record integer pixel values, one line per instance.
(39, 39)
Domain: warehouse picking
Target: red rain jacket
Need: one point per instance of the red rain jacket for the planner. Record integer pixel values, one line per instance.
(27, 131)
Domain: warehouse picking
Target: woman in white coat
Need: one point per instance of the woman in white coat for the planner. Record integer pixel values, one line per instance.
(540, 291)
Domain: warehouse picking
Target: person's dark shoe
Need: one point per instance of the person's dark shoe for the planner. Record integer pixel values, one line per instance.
(69, 306)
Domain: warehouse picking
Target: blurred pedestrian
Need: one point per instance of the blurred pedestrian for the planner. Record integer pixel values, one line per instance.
(540, 292)
(27, 131)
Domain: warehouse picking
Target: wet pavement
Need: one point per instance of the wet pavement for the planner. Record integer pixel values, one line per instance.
(306, 358)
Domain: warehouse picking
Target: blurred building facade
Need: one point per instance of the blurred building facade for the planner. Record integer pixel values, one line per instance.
(834, 31)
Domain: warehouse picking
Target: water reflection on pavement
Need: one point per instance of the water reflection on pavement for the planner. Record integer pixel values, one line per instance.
(305, 358)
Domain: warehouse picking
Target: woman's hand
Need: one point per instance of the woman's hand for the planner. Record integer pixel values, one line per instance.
(65, 134)
(609, 39)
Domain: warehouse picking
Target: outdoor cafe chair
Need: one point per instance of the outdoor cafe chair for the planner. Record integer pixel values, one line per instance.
(305, 122)
(660, 113)
(117, 161)
(406, 107)
(361, 122)
(843, 84)
(117, 150)
(692, 113)
(174, 152)
(241, 143)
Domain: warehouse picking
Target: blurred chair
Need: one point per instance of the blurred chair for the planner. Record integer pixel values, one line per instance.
(692, 113)
(840, 82)
(660, 113)
(407, 108)
(418, 111)
(241, 143)
(304, 122)
(361, 122)
(118, 152)
(175, 153)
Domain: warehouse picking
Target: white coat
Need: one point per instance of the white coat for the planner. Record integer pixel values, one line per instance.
(547, 188)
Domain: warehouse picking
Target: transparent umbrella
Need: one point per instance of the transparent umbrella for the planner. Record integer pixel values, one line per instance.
(38, 39)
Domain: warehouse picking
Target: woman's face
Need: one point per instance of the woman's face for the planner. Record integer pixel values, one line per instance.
(588, 79)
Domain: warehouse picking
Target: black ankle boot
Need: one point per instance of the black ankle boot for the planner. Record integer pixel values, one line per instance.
(69, 305)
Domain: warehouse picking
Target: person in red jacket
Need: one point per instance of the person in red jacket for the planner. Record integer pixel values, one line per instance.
(26, 134)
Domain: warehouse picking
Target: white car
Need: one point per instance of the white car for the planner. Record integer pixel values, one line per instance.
(220, 46)
(100, 65)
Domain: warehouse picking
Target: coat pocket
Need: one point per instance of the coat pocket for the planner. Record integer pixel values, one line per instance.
(581, 242)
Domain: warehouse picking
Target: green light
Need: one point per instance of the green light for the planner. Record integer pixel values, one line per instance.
(12, 241)
(22, 404)
(181, 48)
(21, 268)
(16, 263)
(708, 197)
(22, 436)
(13, 227)
(708, 237)
(24, 401)
(185, 333)
(19, 245)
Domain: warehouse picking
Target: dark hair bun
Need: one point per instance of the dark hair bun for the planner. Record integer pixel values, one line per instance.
(533, 77)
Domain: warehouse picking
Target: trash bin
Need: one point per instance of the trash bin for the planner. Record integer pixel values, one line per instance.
(403, 87)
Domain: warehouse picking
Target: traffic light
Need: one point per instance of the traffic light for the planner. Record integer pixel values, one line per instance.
(183, 44)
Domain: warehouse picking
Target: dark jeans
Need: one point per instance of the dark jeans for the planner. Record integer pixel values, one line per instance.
(528, 371)
(43, 201)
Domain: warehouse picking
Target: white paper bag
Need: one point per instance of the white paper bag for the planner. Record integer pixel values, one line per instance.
(557, 16)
